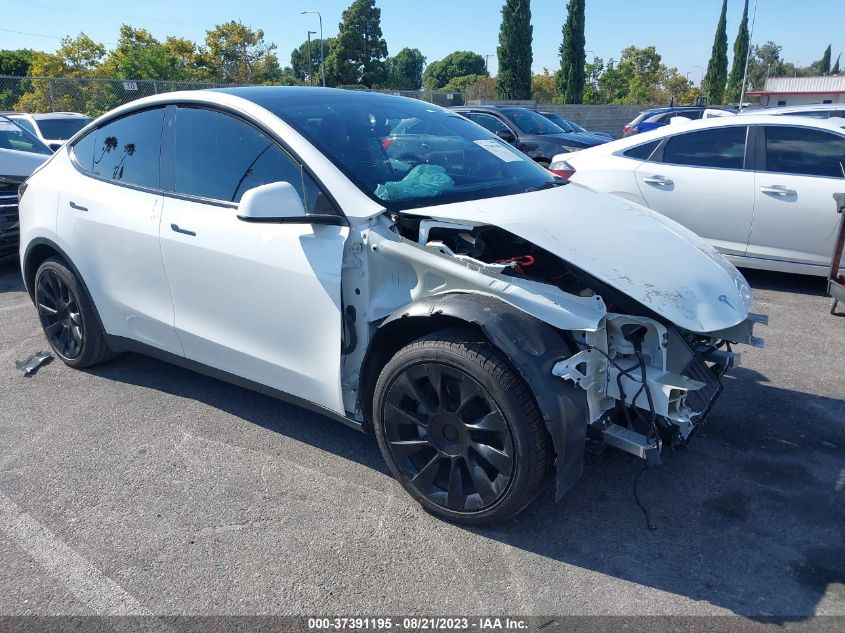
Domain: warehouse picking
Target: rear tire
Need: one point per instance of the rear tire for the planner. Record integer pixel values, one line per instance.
(460, 430)
(67, 316)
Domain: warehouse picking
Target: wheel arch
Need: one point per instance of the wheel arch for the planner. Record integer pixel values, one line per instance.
(530, 345)
(37, 252)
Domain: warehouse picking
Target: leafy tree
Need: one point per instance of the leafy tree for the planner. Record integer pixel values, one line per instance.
(835, 70)
(458, 64)
(572, 55)
(515, 55)
(484, 88)
(189, 62)
(592, 72)
(235, 53)
(765, 62)
(461, 84)
(405, 69)
(734, 90)
(544, 87)
(359, 52)
(640, 77)
(716, 77)
(16, 62)
(824, 64)
(138, 55)
(299, 59)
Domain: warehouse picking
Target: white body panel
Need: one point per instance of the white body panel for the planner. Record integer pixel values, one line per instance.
(623, 244)
(111, 235)
(726, 207)
(261, 301)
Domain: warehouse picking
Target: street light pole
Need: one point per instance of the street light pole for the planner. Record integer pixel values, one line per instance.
(322, 46)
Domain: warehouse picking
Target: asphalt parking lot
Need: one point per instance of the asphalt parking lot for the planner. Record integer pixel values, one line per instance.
(137, 487)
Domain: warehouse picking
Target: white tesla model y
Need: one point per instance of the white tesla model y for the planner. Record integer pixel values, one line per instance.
(393, 265)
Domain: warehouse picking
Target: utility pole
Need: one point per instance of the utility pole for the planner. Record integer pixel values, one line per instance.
(745, 74)
(486, 59)
(310, 67)
(322, 46)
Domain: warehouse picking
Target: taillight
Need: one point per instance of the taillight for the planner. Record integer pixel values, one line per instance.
(625, 129)
(562, 168)
(21, 190)
(387, 142)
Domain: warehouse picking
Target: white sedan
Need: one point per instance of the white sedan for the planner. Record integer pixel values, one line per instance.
(757, 187)
(456, 303)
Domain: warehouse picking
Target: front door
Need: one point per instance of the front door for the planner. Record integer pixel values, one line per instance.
(260, 301)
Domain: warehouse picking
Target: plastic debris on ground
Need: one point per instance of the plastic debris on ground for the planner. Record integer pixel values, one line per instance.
(29, 365)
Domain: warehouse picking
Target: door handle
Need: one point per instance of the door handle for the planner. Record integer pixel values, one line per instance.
(176, 228)
(78, 207)
(657, 180)
(778, 190)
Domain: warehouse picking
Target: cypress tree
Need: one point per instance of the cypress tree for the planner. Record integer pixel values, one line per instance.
(740, 55)
(572, 56)
(835, 70)
(358, 56)
(717, 70)
(514, 52)
(824, 64)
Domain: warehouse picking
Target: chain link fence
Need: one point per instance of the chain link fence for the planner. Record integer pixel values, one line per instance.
(94, 96)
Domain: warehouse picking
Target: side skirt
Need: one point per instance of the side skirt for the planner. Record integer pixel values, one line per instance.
(121, 344)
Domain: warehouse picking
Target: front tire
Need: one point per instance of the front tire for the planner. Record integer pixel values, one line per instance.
(67, 316)
(460, 430)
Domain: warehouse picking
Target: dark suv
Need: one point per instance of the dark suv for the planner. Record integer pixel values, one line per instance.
(528, 131)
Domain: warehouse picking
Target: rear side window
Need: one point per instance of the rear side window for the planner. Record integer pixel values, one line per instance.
(796, 150)
(127, 150)
(642, 152)
(220, 157)
(722, 147)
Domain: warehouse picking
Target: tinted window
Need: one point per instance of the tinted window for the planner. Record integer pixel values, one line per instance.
(813, 114)
(220, 157)
(61, 129)
(25, 124)
(488, 121)
(722, 147)
(532, 123)
(83, 151)
(642, 152)
(128, 150)
(795, 150)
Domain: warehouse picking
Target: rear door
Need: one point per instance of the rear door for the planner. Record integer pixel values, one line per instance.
(109, 212)
(699, 179)
(257, 300)
(795, 218)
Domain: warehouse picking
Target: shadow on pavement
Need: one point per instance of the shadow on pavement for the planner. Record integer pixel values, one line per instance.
(10, 276)
(750, 518)
(785, 282)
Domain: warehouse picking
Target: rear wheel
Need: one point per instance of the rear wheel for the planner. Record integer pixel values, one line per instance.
(67, 316)
(460, 430)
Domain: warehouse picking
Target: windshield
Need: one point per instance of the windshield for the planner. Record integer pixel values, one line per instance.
(15, 137)
(577, 127)
(406, 153)
(61, 129)
(563, 124)
(531, 122)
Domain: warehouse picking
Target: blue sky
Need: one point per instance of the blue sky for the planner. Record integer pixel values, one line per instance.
(682, 30)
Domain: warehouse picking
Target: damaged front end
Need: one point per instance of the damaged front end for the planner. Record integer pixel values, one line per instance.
(601, 363)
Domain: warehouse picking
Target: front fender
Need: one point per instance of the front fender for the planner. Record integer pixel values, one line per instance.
(533, 347)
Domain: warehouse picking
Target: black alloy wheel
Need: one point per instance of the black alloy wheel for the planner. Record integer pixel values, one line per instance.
(449, 437)
(60, 314)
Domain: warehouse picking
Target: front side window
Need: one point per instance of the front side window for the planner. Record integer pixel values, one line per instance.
(532, 123)
(219, 157)
(451, 159)
(17, 138)
(127, 150)
(797, 150)
(488, 122)
(721, 147)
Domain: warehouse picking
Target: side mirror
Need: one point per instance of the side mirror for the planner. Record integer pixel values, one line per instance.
(506, 135)
(279, 203)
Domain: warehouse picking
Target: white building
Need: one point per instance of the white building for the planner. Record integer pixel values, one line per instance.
(789, 91)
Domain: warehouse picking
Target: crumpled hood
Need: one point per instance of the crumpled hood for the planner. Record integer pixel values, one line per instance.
(649, 257)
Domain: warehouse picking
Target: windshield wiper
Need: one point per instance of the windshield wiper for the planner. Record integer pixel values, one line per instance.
(547, 185)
